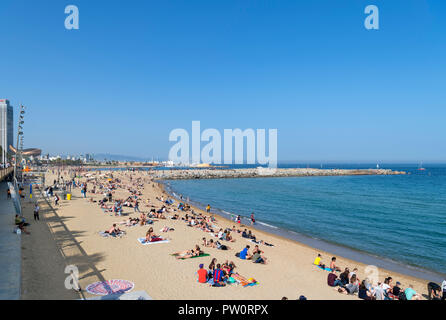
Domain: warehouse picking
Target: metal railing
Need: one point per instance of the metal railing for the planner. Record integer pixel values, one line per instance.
(5, 172)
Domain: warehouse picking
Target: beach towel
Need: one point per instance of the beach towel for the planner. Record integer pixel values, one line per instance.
(108, 235)
(326, 269)
(200, 256)
(144, 242)
(243, 281)
(103, 288)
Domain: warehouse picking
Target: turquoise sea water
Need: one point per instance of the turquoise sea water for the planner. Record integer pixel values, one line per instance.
(400, 218)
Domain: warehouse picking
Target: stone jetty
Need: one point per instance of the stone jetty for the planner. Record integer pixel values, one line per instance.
(189, 174)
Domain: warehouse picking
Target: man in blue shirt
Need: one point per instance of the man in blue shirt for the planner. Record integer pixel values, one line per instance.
(244, 254)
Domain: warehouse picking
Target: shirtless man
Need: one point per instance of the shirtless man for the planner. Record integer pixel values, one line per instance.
(333, 265)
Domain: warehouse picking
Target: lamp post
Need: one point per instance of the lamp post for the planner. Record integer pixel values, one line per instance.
(19, 134)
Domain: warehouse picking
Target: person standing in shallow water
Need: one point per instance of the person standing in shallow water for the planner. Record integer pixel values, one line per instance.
(253, 220)
(208, 208)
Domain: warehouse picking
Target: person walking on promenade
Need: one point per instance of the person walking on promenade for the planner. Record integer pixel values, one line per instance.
(36, 212)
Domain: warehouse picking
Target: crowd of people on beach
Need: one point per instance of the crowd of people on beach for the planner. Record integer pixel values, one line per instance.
(348, 282)
(343, 280)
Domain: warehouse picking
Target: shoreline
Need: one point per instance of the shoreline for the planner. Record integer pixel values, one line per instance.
(323, 245)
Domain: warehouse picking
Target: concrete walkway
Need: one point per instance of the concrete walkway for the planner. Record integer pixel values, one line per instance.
(10, 249)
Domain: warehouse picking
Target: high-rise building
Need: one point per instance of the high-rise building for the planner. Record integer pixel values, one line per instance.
(6, 128)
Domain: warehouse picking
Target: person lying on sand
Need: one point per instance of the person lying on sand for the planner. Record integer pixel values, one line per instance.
(189, 253)
(130, 222)
(167, 229)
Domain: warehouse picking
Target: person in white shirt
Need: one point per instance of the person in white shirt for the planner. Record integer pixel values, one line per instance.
(443, 289)
(378, 292)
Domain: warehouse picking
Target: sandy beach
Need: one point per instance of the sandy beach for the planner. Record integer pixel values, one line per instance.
(68, 234)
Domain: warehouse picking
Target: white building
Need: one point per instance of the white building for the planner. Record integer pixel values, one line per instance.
(6, 128)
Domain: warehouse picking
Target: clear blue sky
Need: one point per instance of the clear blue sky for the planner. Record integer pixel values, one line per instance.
(138, 69)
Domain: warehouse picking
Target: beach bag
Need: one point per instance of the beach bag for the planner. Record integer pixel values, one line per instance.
(402, 296)
(237, 254)
(18, 231)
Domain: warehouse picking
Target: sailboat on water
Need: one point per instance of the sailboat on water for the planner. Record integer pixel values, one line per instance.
(420, 167)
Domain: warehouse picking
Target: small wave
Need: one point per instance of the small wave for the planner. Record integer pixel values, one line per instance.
(268, 225)
(228, 213)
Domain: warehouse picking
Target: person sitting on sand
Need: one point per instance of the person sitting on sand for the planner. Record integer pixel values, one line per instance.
(333, 265)
(257, 257)
(114, 231)
(350, 288)
(151, 237)
(202, 274)
(219, 277)
(317, 261)
(251, 236)
(332, 279)
(396, 290)
(344, 276)
(212, 266)
(244, 254)
(364, 293)
(411, 294)
(228, 267)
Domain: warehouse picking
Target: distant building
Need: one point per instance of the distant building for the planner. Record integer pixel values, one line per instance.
(6, 128)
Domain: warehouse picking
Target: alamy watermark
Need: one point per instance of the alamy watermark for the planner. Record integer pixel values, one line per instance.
(72, 20)
(188, 148)
(371, 22)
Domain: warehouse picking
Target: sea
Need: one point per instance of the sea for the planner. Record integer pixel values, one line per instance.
(397, 222)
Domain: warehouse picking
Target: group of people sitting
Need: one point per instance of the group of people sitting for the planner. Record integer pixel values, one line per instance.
(255, 257)
(348, 283)
(218, 274)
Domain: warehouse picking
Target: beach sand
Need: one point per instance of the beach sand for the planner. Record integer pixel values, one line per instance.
(69, 235)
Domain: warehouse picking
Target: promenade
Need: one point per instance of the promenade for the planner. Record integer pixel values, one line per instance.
(10, 249)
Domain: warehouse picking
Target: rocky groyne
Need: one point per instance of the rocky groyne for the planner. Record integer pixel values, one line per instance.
(265, 172)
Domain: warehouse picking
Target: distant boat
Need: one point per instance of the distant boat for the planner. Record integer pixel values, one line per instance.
(377, 166)
(420, 167)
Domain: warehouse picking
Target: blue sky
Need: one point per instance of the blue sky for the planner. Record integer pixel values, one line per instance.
(138, 69)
